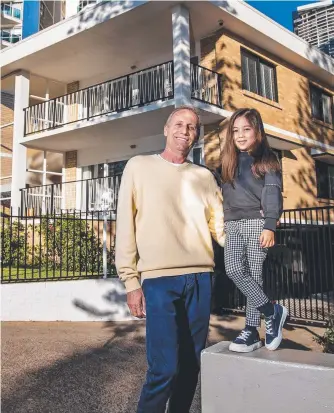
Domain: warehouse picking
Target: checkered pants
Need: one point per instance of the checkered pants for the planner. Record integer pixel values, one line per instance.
(244, 259)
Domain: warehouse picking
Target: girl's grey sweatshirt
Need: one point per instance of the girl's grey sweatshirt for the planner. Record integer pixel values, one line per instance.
(252, 197)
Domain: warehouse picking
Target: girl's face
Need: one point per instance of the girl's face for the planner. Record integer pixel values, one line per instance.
(244, 134)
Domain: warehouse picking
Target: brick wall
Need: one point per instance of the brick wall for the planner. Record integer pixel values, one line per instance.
(221, 52)
(299, 180)
(70, 175)
(72, 87)
(7, 108)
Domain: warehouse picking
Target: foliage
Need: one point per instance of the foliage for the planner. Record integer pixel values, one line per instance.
(69, 244)
(15, 250)
(327, 341)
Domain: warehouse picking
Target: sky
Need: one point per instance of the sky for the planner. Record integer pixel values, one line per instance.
(280, 11)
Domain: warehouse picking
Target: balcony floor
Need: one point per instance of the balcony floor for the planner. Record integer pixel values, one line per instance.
(136, 123)
(128, 125)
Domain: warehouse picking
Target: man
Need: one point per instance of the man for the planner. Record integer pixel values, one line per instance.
(167, 210)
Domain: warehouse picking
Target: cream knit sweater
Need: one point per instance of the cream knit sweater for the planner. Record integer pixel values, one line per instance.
(165, 218)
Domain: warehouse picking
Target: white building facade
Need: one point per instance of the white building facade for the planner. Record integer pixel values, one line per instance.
(96, 88)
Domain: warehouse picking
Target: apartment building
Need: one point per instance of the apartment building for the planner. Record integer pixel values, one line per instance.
(11, 22)
(95, 89)
(19, 20)
(315, 23)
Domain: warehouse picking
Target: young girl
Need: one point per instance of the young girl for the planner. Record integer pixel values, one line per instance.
(251, 184)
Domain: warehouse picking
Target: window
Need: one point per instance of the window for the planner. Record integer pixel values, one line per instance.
(43, 167)
(325, 180)
(103, 170)
(196, 155)
(194, 60)
(115, 168)
(321, 104)
(258, 76)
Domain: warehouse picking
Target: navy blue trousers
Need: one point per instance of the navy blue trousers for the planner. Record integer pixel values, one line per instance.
(177, 322)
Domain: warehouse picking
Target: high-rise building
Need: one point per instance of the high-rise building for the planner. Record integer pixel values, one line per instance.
(21, 19)
(38, 15)
(11, 22)
(315, 24)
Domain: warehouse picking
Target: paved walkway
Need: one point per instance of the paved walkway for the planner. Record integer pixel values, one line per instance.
(64, 367)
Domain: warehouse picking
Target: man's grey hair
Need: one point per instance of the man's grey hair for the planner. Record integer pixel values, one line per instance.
(191, 109)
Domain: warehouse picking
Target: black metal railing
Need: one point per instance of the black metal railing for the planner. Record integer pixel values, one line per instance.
(299, 270)
(56, 247)
(86, 195)
(206, 85)
(139, 88)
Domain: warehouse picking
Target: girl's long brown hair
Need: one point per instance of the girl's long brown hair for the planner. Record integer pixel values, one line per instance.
(264, 158)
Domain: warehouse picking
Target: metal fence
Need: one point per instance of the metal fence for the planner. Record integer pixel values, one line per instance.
(299, 270)
(86, 195)
(69, 245)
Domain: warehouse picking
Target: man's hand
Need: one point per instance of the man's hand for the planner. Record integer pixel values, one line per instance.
(136, 303)
(267, 238)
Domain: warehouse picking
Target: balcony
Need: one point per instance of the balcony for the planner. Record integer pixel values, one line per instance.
(8, 37)
(11, 13)
(138, 89)
(88, 195)
(11, 10)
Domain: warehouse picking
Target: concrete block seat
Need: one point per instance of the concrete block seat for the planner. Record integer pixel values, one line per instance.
(282, 381)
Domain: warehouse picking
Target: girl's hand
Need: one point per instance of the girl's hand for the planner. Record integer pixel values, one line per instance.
(267, 238)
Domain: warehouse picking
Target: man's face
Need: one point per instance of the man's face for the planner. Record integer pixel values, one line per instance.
(181, 132)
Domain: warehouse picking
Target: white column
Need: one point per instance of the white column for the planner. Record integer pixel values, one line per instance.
(19, 160)
(181, 55)
(71, 8)
(78, 191)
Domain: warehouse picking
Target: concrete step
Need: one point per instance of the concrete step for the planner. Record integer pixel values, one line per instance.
(282, 381)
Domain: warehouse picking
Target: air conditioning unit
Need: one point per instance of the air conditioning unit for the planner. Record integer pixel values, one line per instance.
(135, 97)
(168, 87)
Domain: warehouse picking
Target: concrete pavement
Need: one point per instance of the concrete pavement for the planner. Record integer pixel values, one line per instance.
(64, 367)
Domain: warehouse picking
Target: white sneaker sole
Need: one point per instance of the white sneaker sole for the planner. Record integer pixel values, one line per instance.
(241, 348)
(277, 341)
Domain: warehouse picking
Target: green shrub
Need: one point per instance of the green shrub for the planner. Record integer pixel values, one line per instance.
(327, 341)
(71, 244)
(15, 250)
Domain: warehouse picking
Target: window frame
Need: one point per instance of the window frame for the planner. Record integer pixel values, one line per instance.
(198, 146)
(325, 93)
(258, 61)
(44, 172)
(320, 194)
